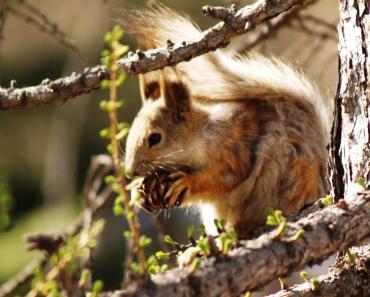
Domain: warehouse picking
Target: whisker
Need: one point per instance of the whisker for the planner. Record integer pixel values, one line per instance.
(171, 164)
(170, 154)
(166, 166)
(154, 170)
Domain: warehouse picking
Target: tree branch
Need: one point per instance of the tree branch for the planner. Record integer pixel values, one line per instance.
(343, 279)
(257, 262)
(270, 27)
(63, 89)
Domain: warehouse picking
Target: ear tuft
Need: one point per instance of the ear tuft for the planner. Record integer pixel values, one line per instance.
(152, 91)
(177, 98)
(149, 87)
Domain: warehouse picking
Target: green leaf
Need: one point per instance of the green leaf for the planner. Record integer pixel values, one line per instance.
(160, 255)
(103, 105)
(216, 222)
(127, 234)
(190, 231)
(116, 188)
(202, 229)
(105, 84)
(120, 50)
(222, 223)
(164, 267)
(119, 104)
(117, 32)
(118, 200)
(123, 125)
(232, 235)
(279, 215)
(85, 277)
(270, 211)
(105, 53)
(121, 79)
(351, 257)
(145, 241)
(130, 214)
(122, 134)
(105, 133)
(203, 244)
(118, 210)
(151, 260)
(304, 275)
(168, 239)
(110, 149)
(108, 37)
(283, 282)
(153, 269)
(106, 61)
(282, 228)
(228, 246)
(299, 234)
(97, 287)
(195, 264)
(110, 179)
(271, 221)
(362, 182)
(111, 106)
(226, 243)
(315, 283)
(328, 200)
(135, 267)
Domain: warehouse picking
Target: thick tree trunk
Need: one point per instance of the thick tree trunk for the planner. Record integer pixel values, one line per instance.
(350, 149)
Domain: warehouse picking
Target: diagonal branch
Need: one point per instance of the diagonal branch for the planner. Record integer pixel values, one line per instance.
(236, 23)
(270, 27)
(259, 261)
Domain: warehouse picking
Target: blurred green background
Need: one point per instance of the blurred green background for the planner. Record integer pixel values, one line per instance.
(45, 151)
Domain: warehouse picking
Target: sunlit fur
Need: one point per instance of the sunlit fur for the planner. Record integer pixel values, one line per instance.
(253, 130)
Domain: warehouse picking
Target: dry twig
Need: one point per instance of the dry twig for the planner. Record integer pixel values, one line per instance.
(99, 163)
(239, 22)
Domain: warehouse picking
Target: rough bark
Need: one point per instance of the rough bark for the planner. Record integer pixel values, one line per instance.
(350, 150)
(343, 279)
(235, 22)
(257, 262)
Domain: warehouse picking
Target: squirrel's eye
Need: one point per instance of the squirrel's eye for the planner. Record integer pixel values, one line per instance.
(154, 139)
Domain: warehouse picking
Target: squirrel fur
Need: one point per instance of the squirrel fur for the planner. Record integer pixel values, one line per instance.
(252, 131)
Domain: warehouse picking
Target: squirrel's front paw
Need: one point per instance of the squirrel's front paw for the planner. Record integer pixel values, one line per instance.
(177, 191)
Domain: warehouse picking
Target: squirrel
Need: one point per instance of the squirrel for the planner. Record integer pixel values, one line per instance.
(250, 131)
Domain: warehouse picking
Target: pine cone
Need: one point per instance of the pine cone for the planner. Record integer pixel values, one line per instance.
(153, 189)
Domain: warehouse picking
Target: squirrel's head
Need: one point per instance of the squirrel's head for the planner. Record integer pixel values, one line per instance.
(163, 128)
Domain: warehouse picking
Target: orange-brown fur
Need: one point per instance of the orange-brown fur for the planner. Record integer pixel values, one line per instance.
(246, 141)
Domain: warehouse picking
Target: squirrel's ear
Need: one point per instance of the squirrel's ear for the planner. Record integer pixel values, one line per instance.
(149, 89)
(176, 98)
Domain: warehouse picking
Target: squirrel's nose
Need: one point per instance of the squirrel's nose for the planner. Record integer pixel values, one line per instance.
(131, 169)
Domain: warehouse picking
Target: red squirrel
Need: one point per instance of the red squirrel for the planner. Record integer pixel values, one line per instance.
(238, 134)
